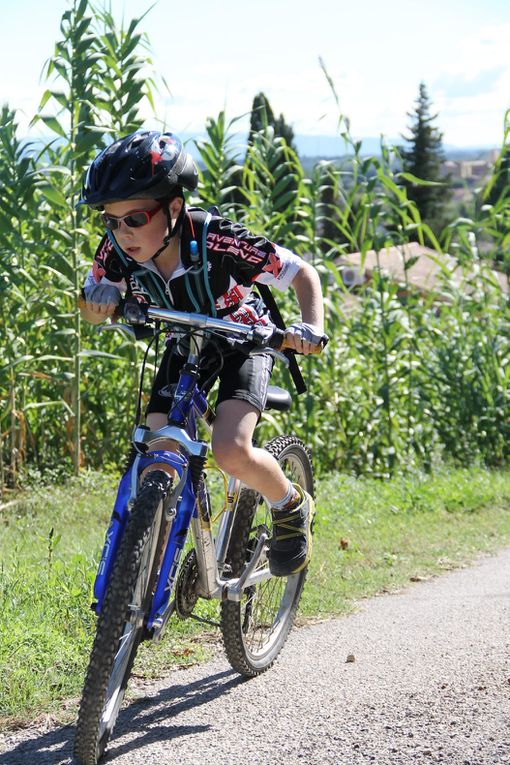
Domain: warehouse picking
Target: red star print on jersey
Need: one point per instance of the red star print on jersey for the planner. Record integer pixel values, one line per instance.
(273, 266)
(97, 271)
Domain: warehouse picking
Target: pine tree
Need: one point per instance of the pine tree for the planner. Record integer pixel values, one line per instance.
(423, 159)
(262, 116)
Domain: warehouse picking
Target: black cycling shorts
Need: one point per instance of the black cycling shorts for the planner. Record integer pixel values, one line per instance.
(241, 377)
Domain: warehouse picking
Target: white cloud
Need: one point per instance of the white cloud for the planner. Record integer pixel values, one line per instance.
(376, 55)
(473, 105)
(486, 49)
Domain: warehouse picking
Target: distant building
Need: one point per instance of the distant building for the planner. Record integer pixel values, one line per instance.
(423, 275)
(470, 170)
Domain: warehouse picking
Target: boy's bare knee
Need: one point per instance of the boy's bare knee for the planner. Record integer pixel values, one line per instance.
(222, 454)
(230, 455)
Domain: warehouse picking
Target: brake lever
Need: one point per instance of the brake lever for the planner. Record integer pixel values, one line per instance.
(135, 332)
(122, 328)
(272, 352)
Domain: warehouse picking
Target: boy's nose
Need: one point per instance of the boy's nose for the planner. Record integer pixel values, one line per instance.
(124, 228)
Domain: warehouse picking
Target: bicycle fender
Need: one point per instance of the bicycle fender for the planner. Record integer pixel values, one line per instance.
(177, 461)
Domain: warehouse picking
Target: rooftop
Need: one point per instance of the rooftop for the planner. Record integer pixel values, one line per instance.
(423, 274)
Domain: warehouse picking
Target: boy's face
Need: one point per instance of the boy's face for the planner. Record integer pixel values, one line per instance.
(141, 243)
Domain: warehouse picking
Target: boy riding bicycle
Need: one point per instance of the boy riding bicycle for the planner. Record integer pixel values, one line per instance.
(163, 253)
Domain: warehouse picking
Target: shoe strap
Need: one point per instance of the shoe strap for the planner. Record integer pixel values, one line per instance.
(288, 526)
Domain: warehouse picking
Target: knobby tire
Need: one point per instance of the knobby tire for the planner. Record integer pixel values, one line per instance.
(255, 629)
(119, 632)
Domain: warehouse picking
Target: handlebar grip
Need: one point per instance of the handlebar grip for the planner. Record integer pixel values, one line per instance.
(277, 339)
(119, 309)
(321, 343)
(118, 313)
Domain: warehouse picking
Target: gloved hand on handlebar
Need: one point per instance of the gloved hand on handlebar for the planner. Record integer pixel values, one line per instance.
(101, 300)
(304, 338)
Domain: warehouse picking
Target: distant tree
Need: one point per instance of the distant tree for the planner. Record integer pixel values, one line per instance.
(422, 158)
(272, 169)
(284, 131)
(498, 187)
(262, 116)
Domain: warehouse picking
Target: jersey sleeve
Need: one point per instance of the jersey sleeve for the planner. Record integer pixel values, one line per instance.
(249, 258)
(106, 268)
(280, 269)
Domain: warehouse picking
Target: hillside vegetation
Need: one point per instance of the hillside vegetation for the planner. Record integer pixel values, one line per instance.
(408, 378)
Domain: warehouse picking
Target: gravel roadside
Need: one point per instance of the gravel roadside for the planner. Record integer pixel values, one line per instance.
(429, 683)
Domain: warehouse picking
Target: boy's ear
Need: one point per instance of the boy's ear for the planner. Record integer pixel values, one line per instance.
(175, 206)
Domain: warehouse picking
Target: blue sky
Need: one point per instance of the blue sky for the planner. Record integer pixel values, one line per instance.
(217, 54)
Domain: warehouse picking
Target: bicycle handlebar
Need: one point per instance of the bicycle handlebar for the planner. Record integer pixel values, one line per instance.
(261, 336)
(267, 335)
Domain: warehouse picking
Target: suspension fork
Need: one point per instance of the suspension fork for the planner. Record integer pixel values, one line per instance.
(204, 544)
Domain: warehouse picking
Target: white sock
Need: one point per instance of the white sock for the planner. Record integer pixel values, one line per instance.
(285, 499)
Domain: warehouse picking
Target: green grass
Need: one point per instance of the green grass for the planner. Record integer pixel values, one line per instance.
(374, 536)
(370, 537)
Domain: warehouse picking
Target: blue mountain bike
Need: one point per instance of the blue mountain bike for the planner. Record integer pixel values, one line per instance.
(144, 577)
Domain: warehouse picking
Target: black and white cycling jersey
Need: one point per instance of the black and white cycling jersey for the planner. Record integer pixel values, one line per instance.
(236, 260)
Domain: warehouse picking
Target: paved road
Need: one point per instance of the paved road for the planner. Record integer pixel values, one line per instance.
(430, 684)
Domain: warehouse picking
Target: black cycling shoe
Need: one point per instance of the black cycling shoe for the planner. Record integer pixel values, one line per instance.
(290, 547)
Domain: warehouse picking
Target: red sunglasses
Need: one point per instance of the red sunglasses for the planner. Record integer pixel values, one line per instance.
(136, 219)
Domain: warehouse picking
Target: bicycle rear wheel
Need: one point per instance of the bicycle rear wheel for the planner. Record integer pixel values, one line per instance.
(255, 629)
(120, 626)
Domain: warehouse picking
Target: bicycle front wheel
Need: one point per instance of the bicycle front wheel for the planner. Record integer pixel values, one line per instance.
(120, 626)
(255, 629)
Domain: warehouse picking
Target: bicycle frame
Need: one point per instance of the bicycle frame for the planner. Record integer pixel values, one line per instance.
(188, 503)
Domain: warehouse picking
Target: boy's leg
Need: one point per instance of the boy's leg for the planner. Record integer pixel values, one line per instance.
(292, 507)
(160, 403)
(156, 420)
(232, 445)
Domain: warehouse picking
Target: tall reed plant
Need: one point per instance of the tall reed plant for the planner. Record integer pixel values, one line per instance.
(409, 377)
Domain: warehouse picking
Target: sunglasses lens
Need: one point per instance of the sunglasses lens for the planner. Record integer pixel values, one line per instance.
(110, 223)
(137, 219)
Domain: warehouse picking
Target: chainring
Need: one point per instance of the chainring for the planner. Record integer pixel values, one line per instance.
(186, 595)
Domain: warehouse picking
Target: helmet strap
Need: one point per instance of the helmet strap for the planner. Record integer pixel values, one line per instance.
(172, 230)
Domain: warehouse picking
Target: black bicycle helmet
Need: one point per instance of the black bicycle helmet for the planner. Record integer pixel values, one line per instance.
(144, 165)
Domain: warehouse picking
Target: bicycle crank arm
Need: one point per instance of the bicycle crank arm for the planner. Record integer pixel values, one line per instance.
(233, 588)
(161, 622)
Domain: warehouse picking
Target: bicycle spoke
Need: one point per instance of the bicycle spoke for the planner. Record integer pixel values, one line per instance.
(255, 629)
